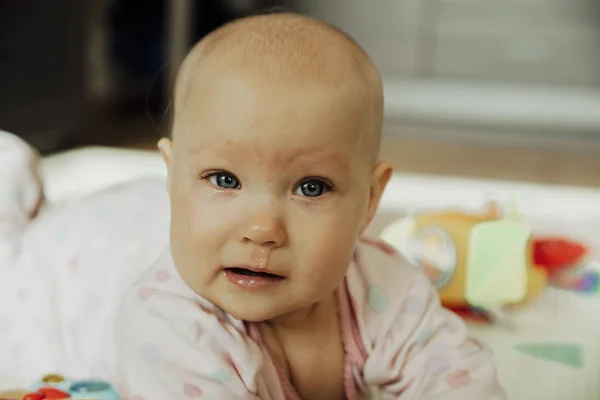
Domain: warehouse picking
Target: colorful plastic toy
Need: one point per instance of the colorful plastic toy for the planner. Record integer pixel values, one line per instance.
(57, 387)
(47, 394)
(567, 265)
(55, 381)
(485, 262)
(93, 390)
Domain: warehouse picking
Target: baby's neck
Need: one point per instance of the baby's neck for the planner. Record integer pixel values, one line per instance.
(307, 345)
(307, 319)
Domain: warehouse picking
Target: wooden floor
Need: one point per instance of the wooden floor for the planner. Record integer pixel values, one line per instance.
(543, 165)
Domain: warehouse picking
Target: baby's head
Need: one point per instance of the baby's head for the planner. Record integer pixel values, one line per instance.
(273, 171)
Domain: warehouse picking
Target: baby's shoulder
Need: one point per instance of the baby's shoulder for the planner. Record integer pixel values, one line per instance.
(379, 267)
(161, 297)
(382, 285)
(166, 331)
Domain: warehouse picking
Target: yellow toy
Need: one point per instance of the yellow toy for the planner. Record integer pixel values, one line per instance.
(480, 260)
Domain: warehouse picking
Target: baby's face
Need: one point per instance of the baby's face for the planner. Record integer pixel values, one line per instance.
(269, 192)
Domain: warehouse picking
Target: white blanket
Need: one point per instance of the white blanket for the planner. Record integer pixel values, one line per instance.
(63, 271)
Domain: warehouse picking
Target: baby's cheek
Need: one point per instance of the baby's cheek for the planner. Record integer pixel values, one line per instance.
(210, 213)
(324, 256)
(187, 248)
(198, 236)
(325, 234)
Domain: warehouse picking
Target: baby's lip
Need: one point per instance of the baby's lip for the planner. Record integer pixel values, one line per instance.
(252, 270)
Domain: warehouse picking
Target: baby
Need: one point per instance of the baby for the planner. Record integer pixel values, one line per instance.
(268, 290)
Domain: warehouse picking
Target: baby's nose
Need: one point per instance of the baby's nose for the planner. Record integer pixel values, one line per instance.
(264, 230)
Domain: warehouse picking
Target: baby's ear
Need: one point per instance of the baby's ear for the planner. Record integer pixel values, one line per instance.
(382, 173)
(165, 146)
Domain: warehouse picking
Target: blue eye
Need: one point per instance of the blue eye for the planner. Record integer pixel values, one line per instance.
(313, 188)
(223, 180)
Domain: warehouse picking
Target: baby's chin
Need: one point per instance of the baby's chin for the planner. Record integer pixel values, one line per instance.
(251, 311)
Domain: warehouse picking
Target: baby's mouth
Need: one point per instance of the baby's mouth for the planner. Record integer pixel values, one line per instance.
(249, 272)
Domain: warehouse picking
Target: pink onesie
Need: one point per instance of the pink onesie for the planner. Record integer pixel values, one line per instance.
(399, 342)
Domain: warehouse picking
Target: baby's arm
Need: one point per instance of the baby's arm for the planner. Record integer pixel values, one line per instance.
(169, 348)
(429, 356)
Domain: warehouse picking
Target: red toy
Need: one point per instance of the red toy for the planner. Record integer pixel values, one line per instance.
(566, 264)
(47, 394)
(557, 253)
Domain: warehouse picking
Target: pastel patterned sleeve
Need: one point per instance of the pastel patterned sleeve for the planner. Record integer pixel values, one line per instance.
(169, 347)
(427, 354)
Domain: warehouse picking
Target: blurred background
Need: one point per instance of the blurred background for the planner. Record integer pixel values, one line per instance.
(498, 89)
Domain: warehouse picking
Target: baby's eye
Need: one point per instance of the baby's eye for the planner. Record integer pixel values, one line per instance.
(313, 188)
(224, 180)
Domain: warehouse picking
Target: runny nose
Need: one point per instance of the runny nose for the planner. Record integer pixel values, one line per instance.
(264, 230)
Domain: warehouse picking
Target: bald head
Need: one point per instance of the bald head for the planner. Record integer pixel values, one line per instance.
(288, 48)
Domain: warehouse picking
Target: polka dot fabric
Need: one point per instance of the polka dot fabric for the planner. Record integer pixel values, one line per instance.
(418, 348)
(185, 345)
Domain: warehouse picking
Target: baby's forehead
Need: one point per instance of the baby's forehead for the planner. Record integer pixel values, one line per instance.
(281, 145)
(240, 101)
(292, 51)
